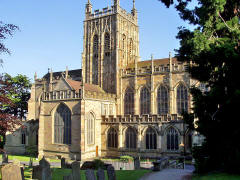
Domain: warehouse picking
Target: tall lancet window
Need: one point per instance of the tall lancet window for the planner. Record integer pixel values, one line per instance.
(106, 43)
(90, 126)
(182, 99)
(129, 102)
(62, 125)
(145, 101)
(95, 60)
(162, 100)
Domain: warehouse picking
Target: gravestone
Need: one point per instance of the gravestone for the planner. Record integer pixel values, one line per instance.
(100, 174)
(111, 173)
(12, 172)
(76, 170)
(90, 174)
(4, 158)
(63, 163)
(69, 177)
(43, 171)
(30, 162)
(136, 163)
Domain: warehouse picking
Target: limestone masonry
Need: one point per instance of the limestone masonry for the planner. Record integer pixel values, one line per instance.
(116, 104)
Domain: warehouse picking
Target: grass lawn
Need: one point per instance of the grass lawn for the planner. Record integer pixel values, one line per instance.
(58, 173)
(217, 176)
(121, 175)
(26, 158)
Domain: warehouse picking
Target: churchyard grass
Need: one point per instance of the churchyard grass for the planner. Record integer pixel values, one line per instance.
(216, 176)
(58, 173)
(121, 175)
(26, 158)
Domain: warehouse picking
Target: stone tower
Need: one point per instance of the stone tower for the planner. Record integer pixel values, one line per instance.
(111, 42)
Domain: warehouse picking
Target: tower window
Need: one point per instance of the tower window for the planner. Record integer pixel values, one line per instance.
(107, 42)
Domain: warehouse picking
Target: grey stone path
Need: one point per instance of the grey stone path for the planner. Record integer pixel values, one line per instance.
(169, 174)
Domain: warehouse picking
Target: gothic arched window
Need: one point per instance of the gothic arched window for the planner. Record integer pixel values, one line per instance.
(90, 125)
(145, 101)
(151, 139)
(112, 138)
(107, 42)
(162, 100)
(172, 139)
(130, 46)
(62, 125)
(131, 138)
(95, 60)
(129, 102)
(123, 41)
(182, 99)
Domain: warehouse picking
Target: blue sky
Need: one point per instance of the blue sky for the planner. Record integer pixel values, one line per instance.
(51, 32)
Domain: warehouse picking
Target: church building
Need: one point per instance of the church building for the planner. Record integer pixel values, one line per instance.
(116, 104)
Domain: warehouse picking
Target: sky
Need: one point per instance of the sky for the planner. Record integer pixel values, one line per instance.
(51, 33)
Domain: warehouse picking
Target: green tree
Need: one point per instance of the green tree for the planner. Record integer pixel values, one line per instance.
(212, 50)
(19, 94)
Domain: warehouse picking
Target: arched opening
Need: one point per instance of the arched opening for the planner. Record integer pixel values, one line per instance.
(112, 138)
(95, 60)
(182, 99)
(129, 101)
(131, 138)
(62, 125)
(151, 139)
(145, 101)
(90, 125)
(172, 139)
(163, 100)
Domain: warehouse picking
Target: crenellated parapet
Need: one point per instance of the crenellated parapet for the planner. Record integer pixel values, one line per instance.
(144, 67)
(155, 118)
(61, 95)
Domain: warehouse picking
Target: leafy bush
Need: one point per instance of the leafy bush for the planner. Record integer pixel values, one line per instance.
(32, 151)
(98, 164)
(126, 158)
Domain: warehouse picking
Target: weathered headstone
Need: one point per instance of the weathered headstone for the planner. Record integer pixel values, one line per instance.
(4, 158)
(90, 174)
(76, 170)
(69, 177)
(100, 174)
(43, 171)
(12, 172)
(111, 173)
(63, 163)
(136, 163)
(30, 162)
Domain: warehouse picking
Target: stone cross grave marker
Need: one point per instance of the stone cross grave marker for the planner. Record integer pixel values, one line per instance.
(76, 170)
(111, 173)
(90, 174)
(100, 174)
(12, 172)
